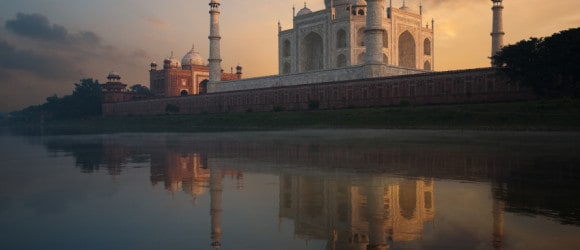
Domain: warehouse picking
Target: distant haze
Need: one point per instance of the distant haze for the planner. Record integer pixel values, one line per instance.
(47, 45)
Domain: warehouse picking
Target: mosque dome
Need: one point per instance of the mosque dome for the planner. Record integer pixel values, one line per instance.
(113, 76)
(192, 58)
(405, 7)
(304, 11)
(171, 62)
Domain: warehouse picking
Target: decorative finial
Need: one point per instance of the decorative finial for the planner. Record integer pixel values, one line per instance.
(304, 4)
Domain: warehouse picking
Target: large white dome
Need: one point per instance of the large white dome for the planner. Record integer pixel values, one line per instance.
(192, 58)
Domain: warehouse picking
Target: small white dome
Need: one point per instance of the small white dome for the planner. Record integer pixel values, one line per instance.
(171, 62)
(114, 75)
(192, 58)
(304, 11)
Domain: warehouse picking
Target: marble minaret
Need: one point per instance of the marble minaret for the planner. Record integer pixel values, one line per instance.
(215, 60)
(497, 30)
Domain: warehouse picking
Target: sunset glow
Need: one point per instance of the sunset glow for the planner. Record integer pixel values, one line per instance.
(46, 46)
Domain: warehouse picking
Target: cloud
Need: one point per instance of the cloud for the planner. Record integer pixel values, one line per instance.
(37, 27)
(140, 53)
(12, 58)
(156, 22)
(42, 59)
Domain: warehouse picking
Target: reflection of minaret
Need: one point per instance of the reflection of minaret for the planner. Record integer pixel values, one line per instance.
(498, 212)
(215, 189)
(376, 214)
(497, 30)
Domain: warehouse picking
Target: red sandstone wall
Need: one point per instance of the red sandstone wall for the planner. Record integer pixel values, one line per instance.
(466, 86)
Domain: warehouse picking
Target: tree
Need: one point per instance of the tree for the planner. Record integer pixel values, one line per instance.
(140, 89)
(87, 98)
(85, 101)
(550, 66)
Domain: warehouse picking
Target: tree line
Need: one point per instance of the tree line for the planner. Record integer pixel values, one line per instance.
(84, 102)
(549, 65)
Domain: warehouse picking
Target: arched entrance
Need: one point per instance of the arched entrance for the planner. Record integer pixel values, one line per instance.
(341, 61)
(312, 52)
(407, 50)
(427, 65)
(203, 86)
(183, 93)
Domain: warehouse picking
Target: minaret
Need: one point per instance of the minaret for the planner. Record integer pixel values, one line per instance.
(497, 30)
(374, 36)
(215, 191)
(215, 60)
(374, 32)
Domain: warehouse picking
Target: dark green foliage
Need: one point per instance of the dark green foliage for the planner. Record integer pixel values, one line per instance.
(138, 88)
(170, 108)
(84, 102)
(563, 114)
(551, 65)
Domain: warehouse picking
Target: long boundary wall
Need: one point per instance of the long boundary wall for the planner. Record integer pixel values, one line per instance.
(464, 86)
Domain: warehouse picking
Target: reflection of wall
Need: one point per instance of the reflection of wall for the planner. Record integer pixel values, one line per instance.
(180, 171)
(340, 210)
(186, 171)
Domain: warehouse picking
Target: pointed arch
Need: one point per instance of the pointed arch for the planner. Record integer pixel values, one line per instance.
(407, 50)
(341, 61)
(312, 52)
(360, 37)
(286, 49)
(286, 68)
(341, 39)
(385, 39)
(427, 47)
(361, 59)
(408, 199)
(427, 66)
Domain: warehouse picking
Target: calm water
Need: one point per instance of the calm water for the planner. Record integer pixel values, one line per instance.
(361, 189)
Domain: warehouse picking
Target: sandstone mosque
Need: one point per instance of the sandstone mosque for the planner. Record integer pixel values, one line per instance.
(352, 53)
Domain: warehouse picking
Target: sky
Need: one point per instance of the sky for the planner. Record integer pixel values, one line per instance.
(48, 45)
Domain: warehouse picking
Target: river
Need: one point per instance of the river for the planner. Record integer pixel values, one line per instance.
(306, 189)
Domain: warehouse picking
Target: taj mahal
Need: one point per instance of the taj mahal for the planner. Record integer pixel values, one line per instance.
(336, 37)
(347, 40)
(351, 53)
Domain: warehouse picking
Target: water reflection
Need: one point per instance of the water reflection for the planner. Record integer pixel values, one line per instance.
(363, 193)
(369, 212)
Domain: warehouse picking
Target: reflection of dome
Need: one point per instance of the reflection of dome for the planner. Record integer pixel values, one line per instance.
(304, 11)
(192, 58)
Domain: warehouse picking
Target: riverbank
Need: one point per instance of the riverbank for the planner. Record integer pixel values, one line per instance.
(556, 115)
